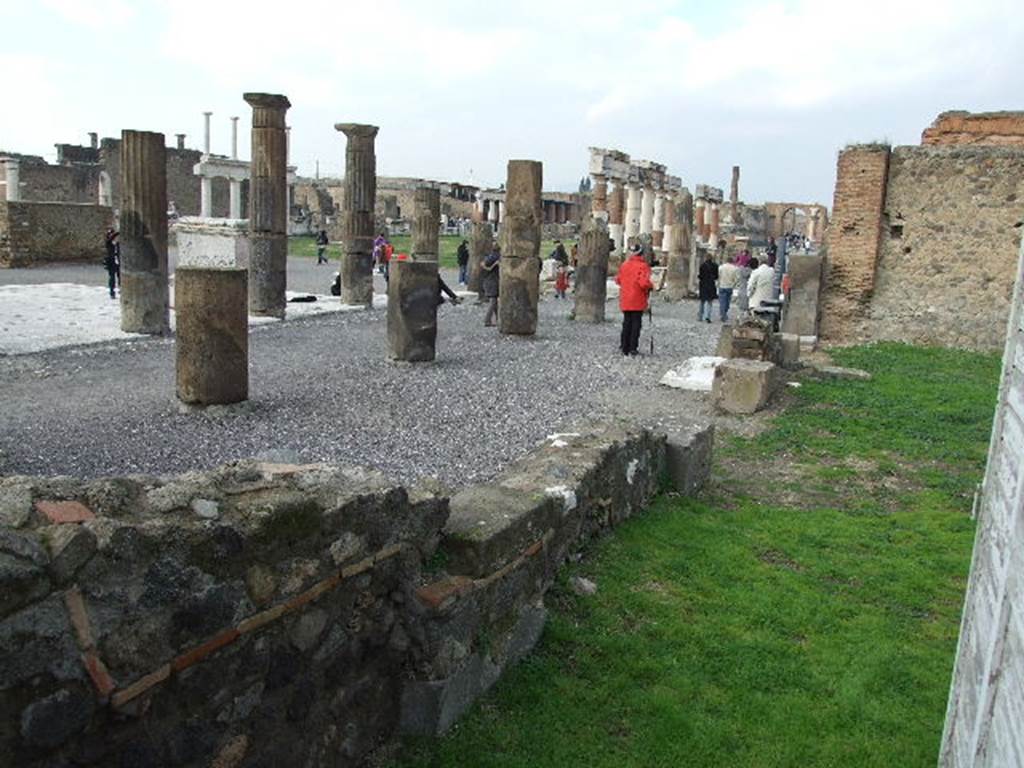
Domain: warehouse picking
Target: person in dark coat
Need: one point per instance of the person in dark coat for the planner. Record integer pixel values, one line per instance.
(321, 247)
(462, 259)
(489, 282)
(707, 276)
(112, 261)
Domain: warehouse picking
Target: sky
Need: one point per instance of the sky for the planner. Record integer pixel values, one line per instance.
(458, 87)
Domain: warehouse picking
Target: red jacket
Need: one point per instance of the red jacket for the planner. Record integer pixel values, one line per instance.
(635, 284)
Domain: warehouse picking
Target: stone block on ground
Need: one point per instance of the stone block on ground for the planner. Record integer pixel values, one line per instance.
(688, 456)
(743, 386)
(695, 374)
(412, 311)
(789, 346)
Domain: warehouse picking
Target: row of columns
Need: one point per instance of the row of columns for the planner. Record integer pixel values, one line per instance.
(234, 184)
(706, 222)
(552, 211)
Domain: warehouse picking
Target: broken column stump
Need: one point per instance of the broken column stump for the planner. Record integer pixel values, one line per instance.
(412, 311)
(592, 273)
(481, 240)
(212, 344)
(743, 386)
(519, 289)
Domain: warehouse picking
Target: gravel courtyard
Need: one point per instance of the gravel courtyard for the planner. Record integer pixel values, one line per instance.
(322, 389)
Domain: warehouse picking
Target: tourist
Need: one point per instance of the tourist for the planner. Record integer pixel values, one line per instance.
(771, 252)
(559, 254)
(561, 281)
(489, 280)
(321, 247)
(386, 253)
(443, 290)
(759, 286)
(574, 255)
(707, 275)
(378, 252)
(635, 286)
(728, 277)
(112, 261)
(743, 257)
(462, 259)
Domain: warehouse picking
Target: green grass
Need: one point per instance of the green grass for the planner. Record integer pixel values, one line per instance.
(803, 612)
(305, 247)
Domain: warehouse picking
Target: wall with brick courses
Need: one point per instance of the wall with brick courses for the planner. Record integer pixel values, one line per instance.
(986, 701)
(60, 183)
(991, 128)
(949, 245)
(282, 615)
(853, 237)
(33, 233)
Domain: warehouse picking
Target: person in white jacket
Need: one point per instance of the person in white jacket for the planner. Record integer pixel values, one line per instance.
(759, 286)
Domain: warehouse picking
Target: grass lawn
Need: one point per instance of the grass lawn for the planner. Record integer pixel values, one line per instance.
(305, 247)
(803, 612)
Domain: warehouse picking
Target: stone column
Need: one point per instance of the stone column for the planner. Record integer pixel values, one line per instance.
(669, 215)
(647, 211)
(698, 219)
(478, 209)
(12, 176)
(811, 214)
(144, 304)
(235, 190)
(357, 213)
(599, 196)
(268, 219)
(94, 140)
(658, 223)
(212, 335)
(206, 132)
(426, 214)
(633, 202)
(205, 196)
(677, 275)
(734, 195)
(181, 140)
(519, 288)
(616, 205)
(592, 273)
(234, 138)
(492, 213)
(713, 226)
(481, 239)
(498, 212)
(412, 309)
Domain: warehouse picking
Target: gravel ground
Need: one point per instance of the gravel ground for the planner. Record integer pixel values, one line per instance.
(322, 389)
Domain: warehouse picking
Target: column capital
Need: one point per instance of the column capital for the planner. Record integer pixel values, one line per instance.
(266, 100)
(357, 130)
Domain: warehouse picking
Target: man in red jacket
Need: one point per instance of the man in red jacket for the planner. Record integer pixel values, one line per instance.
(635, 285)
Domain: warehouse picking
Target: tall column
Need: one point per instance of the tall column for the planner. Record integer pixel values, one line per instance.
(633, 202)
(212, 335)
(478, 209)
(647, 211)
(713, 226)
(592, 273)
(426, 215)
(235, 190)
(268, 253)
(677, 275)
(616, 212)
(669, 216)
(658, 222)
(599, 196)
(205, 196)
(492, 213)
(12, 176)
(698, 219)
(287, 186)
(206, 132)
(481, 239)
(144, 303)
(519, 288)
(734, 195)
(357, 213)
(498, 212)
(234, 138)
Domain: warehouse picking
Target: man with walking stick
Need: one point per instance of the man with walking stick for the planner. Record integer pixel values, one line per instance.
(635, 286)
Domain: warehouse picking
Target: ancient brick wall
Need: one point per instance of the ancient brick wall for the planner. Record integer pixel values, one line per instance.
(33, 233)
(59, 183)
(990, 128)
(280, 615)
(853, 238)
(986, 701)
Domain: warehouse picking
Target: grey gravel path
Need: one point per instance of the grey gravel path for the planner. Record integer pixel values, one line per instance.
(323, 389)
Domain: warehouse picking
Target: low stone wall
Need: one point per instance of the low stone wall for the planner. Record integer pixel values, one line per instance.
(262, 614)
(34, 233)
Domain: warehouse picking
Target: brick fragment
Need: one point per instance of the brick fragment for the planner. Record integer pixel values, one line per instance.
(140, 686)
(97, 670)
(356, 568)
(261, 619)
(440, 594)
(313, 592)
(64, 511)
(534, 548)
(389, 551)
(200, 652)
(79, 617)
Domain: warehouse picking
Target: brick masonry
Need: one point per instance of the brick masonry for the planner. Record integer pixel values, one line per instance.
(991, 128)
(34, 232)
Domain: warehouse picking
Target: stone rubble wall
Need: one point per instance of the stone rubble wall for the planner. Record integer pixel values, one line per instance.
(264, 614)
(31, 233)
(991, 128)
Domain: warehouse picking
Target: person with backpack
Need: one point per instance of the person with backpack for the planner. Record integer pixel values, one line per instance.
(489, 282)
(462, 259)
(321, 247)
(634, 279)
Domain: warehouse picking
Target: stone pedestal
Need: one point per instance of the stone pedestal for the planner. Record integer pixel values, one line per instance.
(357, 214)
(592, 273)
(677, 276)
(412, 310)
(212, 338)
(212, 242)
(144, 300)
(426, 219)
(481, 239)
(519, 289)
(802, 313)
(268, 200)
(743, 386)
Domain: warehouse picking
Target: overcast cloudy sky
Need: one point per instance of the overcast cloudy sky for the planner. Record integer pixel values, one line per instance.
(460, 86)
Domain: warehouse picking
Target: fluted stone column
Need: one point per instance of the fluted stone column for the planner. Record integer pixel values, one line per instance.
(658, 223)
(599, 196)
(144, 300)
(616, 213)
(426, 216)
(647, 211)
(357, 214)
(212, 335)
(478, 209)
(698, 219)
(669, 217)
(592, 273)
(268, 215)
(677, 275)
(13, 179)
(412, 310)
(633, 204)
(734, 195)
(713, 226)
(519, 288)
(481, 239)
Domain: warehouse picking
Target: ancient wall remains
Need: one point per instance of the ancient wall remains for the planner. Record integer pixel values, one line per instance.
(949, 245)
(989, 128)
(31, 233)
(272, 614)
(986, 701)
(853, 237)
